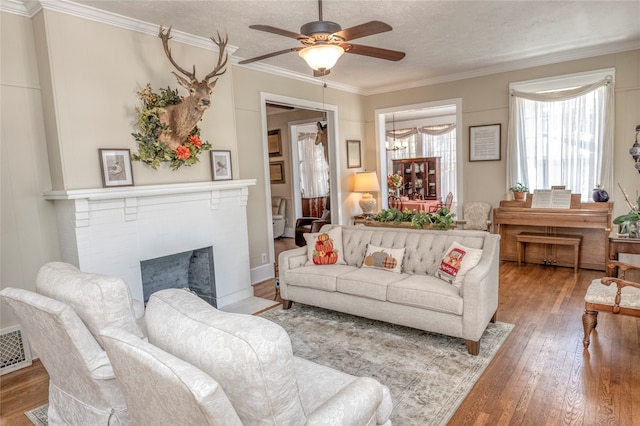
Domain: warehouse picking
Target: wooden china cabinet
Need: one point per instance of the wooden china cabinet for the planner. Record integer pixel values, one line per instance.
(420, 175)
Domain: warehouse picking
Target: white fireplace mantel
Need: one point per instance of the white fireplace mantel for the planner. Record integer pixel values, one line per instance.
(111, 230)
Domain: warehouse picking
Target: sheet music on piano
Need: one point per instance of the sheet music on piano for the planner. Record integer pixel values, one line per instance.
(551, 199)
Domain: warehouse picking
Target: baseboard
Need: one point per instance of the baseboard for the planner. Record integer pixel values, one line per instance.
(262, 273)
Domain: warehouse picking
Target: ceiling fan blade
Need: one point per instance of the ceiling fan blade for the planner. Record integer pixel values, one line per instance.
(363, 30)
(270, 55)
(279, 31)
(375, 52)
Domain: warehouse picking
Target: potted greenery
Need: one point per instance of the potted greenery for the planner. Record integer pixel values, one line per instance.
(519, 191)
(632, 218)
(442, 219)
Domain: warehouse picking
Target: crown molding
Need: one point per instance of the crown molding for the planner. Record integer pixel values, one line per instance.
(29, 8)
(553, 58)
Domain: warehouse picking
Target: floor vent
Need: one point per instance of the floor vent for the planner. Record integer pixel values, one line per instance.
(14, 350)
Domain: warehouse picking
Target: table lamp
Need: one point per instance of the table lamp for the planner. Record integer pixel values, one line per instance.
(366, 182)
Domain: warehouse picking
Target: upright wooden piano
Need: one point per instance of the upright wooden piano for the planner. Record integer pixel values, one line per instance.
(592, 221)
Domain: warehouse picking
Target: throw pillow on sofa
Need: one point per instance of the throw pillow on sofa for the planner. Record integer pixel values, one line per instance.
(457, 261)
(383, 258)
(325, 248)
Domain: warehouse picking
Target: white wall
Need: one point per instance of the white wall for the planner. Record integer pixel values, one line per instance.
(28, 225)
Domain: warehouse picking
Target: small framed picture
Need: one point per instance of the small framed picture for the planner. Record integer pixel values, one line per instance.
(115, 165)
(276, 171)
(275, 143)
(221, 165)
(484, 142)
(353, 155)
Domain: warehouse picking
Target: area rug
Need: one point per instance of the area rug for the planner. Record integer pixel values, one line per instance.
(428, 374)
(38, 416)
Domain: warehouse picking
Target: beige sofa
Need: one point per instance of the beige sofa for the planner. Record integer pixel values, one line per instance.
(415, 297)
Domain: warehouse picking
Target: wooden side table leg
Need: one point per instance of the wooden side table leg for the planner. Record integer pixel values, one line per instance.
(576, 257)
(589, 322)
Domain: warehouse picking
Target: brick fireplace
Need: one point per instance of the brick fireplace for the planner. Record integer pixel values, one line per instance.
(112, 230)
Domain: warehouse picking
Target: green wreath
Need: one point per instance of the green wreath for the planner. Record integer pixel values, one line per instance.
(150, 150)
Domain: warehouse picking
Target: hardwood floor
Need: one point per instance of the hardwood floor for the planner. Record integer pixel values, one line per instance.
(540, 376)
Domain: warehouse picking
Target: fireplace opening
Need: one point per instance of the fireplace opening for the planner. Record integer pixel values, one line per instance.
(190, 269)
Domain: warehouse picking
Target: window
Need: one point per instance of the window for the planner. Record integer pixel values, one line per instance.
(560, 133)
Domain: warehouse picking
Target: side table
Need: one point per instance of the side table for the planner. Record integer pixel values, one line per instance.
(621, 245)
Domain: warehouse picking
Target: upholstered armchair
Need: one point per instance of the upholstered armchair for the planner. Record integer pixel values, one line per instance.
(278, 214)
(63, 321)
(476, 215)
(161, 389)
(311, 224)
(82, 385)
(251, 359)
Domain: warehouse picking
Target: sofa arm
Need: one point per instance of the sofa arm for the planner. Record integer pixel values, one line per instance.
(479, 290)
(288, 260)
(355, 404)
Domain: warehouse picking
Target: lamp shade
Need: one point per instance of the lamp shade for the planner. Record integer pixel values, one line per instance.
(321, 57)
(366, 182)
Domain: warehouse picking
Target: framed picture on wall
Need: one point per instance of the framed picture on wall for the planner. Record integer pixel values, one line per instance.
(221, 165)
(274, 143)
(354, 159)
(115, 165)
(276, 171)
(484, 142)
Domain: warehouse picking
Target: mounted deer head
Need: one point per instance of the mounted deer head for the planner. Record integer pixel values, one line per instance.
(321, 139)
(183, 117)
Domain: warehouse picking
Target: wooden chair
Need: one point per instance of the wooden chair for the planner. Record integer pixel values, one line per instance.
(602, 296)
(417, 196)
(447, 203)
(395, 202)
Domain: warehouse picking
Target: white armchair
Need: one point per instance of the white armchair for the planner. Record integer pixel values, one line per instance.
(279, 215)
(252, 360)
(82, 386)
(63, 321)
(161, 389)
(476, 215)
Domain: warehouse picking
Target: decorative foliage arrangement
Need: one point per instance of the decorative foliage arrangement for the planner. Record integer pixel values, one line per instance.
(150, 150)
(394, 181)
(442, 219)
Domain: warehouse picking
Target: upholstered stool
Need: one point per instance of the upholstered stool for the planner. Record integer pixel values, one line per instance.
(608, 294)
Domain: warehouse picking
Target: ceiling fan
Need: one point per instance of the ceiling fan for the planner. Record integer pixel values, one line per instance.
(323, 42)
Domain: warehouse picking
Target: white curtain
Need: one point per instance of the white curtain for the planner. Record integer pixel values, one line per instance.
(440, 141)
(562, 138)
(313, 167)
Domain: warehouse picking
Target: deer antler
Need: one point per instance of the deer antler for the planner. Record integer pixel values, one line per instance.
(223, 56)
(167, 50)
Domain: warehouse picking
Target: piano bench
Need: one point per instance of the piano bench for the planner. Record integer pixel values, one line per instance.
(540, 238)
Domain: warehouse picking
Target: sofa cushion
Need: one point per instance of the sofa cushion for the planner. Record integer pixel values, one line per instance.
(425, 291)
(456, 262)
(384, 258)
(367, 282)
(101, 301)
(321, 278)
(325, 248)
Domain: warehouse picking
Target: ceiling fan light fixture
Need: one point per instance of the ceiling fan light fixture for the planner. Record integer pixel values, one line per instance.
(321, 57)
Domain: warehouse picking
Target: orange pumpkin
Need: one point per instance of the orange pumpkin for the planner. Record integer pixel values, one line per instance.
(332, 257)
(323, 237)
(318, 257)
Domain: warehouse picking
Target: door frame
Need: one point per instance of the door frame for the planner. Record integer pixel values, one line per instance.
(381, 152)
(334, 159)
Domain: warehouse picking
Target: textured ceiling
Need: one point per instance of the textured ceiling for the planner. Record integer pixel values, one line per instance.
(443, 40)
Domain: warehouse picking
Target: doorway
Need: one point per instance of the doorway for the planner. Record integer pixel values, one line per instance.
(319, 109)
(417, 115)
